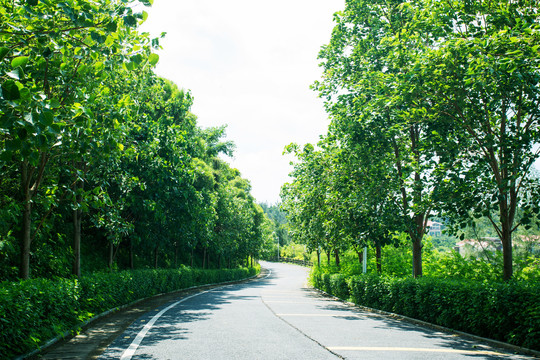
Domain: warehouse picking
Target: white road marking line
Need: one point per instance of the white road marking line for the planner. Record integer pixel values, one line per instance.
(287, 302)
(321, 315)
(455, 351)
(130, 351)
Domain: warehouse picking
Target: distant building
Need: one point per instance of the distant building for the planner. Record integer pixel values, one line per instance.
(435, 228)
(492, 244)
(484, 244)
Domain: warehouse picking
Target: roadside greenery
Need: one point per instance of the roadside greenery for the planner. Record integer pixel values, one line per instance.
(102, 164)
(36, 310)
(104, 168)
(434, 116)
(507, 312)
(434, 110)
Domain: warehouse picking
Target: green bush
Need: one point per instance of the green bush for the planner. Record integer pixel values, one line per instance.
(34, 311)
(507, 312)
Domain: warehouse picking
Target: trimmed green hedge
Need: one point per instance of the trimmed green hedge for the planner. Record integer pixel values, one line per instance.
(34, 311)
(508, 312)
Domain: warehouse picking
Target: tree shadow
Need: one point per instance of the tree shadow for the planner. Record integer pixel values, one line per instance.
(173, 323)
(463, 345)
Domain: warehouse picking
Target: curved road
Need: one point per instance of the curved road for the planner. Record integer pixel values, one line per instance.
(278, 317)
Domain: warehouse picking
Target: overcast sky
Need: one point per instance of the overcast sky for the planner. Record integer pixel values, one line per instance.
(249, 65)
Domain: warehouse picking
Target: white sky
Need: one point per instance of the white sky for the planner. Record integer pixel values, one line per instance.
(249, 65)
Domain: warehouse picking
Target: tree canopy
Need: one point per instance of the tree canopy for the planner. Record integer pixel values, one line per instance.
(102, 164)
(434, 109)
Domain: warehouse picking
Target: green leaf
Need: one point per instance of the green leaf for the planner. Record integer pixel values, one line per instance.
(137, 59)
(47, 53)
(31, 2)
(111, 27)
(46, 118)
(15, 74)
(153, 59)
(22, 133)
(54, 103)
(3, 52)
(19, 61)
(10, 91)
(130, 21)
(6, 155)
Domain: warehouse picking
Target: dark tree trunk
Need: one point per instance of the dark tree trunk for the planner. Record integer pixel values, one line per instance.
(204, 258)
(506, 240)
(360, 256)
(131, 259)
(417, 256)
(378, 257)
(76, 270)
(29, 187)
(156, 254)
(336, 253)
(111, 255)
(77, 220)
(26, 236)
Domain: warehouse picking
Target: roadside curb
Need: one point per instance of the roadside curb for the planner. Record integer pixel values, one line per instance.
(494, 343)
(69, 334)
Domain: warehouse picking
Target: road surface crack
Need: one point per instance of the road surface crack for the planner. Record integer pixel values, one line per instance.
(300, 331)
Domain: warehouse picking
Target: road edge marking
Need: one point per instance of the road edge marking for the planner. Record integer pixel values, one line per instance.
(130, 351)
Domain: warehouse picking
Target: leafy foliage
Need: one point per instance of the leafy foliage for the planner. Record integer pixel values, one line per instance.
(501, 311)
(434, 113)
(102, 163)
(36, 310)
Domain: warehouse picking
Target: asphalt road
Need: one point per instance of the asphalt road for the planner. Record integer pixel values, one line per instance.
(278, 317)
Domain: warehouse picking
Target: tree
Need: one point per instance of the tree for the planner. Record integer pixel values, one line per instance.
(52, 56)
(484, 79)
(369, 84)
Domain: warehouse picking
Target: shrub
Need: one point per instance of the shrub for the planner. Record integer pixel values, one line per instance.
(34, 311)
(507, 312)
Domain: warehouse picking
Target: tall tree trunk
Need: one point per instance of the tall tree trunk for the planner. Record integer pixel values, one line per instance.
(156, 252)
(76, 270)
(111, 255)
(131, 262)
(417, 256)
(378, 257)
(29, 187)
(506, 240)
(416, 237)
(336, 253)
(77, 220)
(26, 236)
(176, 254)
(360, 256)
(204, 258)
(328, 255)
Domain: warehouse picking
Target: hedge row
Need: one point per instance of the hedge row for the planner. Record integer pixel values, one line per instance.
(508, 312)
(36, 310)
